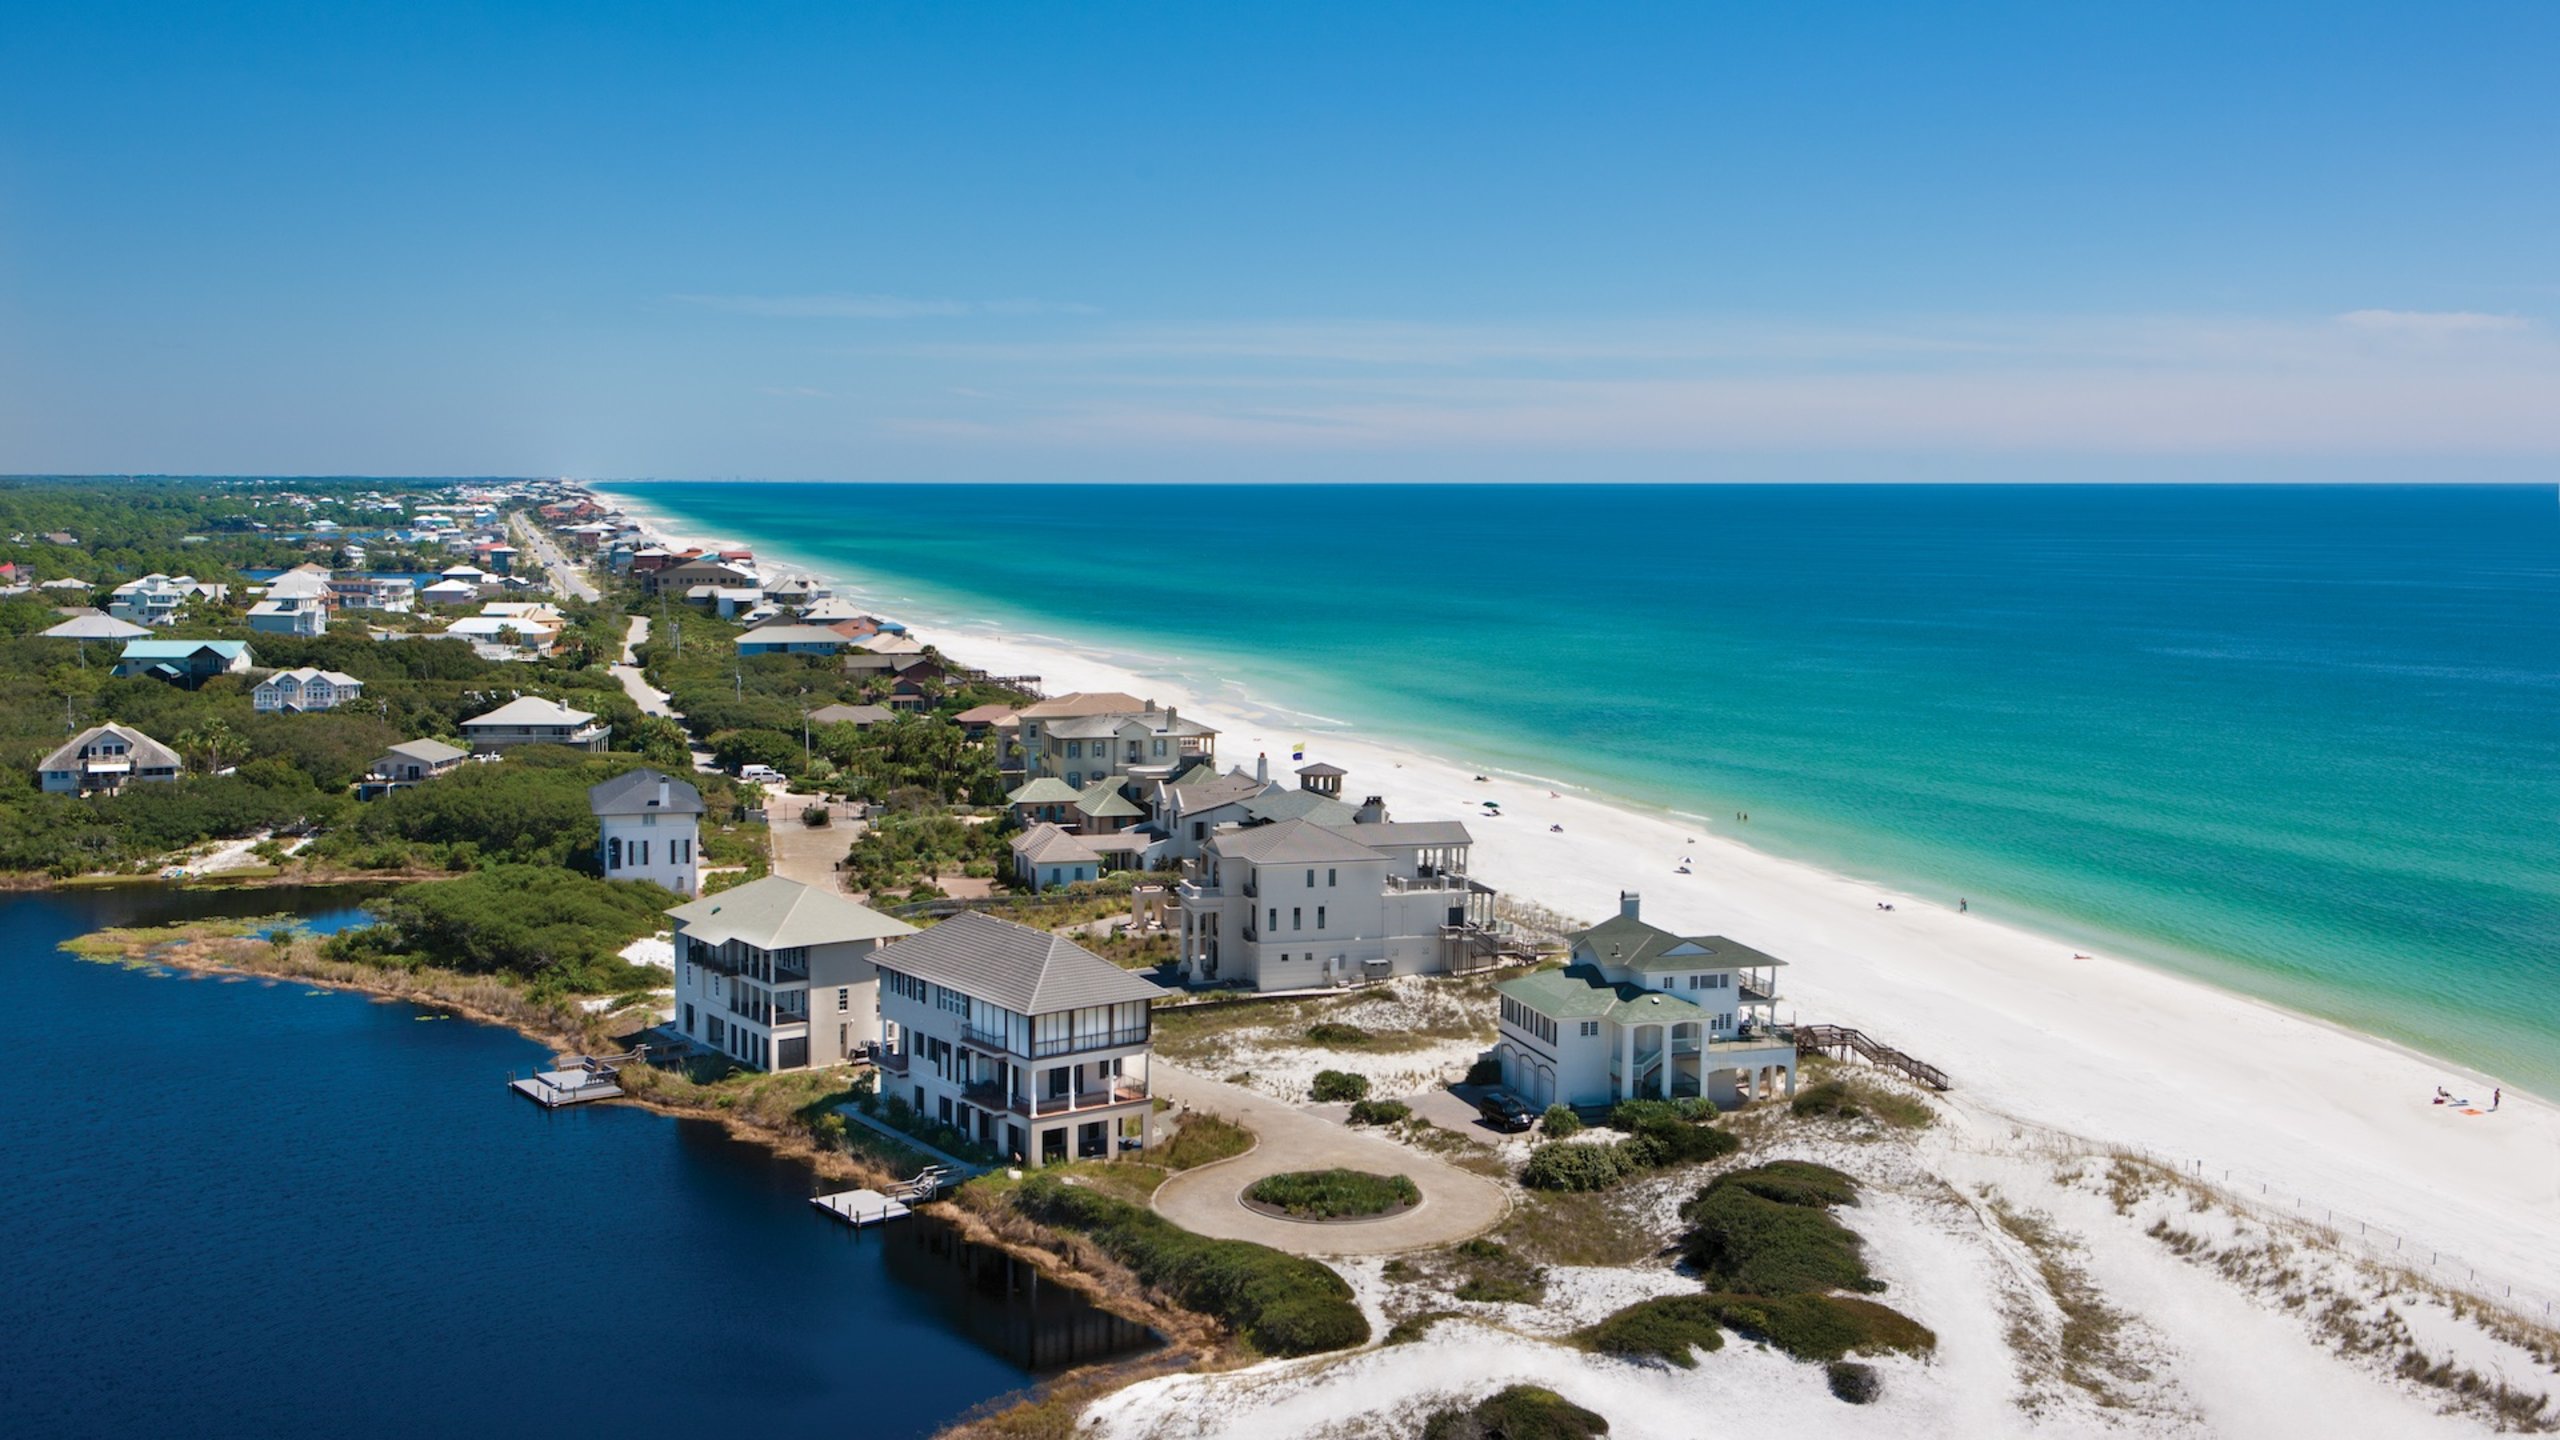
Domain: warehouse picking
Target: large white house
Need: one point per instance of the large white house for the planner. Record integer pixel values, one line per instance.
(1025, 1041)
(105, 758)
(778, 975)
(304, 689)
(532, 720)
(1298, 903)
(1642, 1013)
(648, 825)
(296, 603)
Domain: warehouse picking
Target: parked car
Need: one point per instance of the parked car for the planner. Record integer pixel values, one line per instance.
(761, 774)
(1506, 1110)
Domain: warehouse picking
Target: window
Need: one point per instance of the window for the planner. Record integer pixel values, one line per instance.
(613, 853)
(1296, 918)
(1319, 917)
(844, 998)
(1075, 777)
(1590, 1027)
(1330, 877)
(1311, 879)
(1159, 749)
(1075, 749)
(1275, 917)
(644, 852)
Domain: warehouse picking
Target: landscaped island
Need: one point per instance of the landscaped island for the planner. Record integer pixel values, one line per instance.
(1332, 1195)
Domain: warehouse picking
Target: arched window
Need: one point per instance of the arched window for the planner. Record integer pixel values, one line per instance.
(613, 853)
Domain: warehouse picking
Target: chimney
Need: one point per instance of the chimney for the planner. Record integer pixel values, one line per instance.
(1262, 768)
(1372, 811)
(662, 792)
(1629, 902)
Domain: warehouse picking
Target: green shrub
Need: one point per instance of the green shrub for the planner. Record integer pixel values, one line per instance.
(1414, 1327)
(1670, 1328)
(1858, 1384)
(1560, 1123)
(1337, 1036)
(1793, 1182)
(1340, 1085)
(1520, 1412)
(1744, 1241)
(1494, 1275)
(1283, 1304)
(1334, 1194)
(1379, 1112)
(1487, 1071)
(1677, 1142)
(1831, 1097)
(1199, 1139)
(1822, 1327)
(1634, 1115)
(1573, 1165)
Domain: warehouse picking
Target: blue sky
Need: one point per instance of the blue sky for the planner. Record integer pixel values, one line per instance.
(1189, 241)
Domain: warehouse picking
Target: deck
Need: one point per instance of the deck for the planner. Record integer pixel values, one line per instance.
(859, 1208)
(552, 1089)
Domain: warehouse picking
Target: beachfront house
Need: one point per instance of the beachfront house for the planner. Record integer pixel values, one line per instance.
(1297, 904)
(1105, 736)
(532, 720)
(1023, 1040)
(303, 690)
(647, 827)
(792, 640)
(1642, 1013)
(296, 603)
(104, 759)
(185, 662)
(778, 975)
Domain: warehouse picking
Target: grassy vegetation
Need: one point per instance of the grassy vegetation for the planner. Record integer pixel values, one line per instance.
(556, 930)
(1518, 1412)
(1769, 1231)
(1334, 1194)
(1334, 1035)
(1380, 1112)
(1846, 1099)
(1669, 1328)
(1822, 1327)
(1660, 1134)
(1280, 1303)
(1414, 1327)
(1199, 1139)
(1491, 1273)
(1338, 1085)
(1565, 1228)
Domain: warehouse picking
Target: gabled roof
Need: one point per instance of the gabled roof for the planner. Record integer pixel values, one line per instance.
(1103, 801)
(777, 913)
(1194, 796)
(95, 627)
(1291, 842)
(1083, 702)
(297, 585)
(528, 711)
(1400, 833)
(144, 752)
(1046, 844)
(636, 793)
(1027, 971)
(1321, 768)
(853, 715)
(307, 674)
(1578, 992)
(1047, 790)
(793, 635)
(182, 649)
(1627, 941)
(1280, 804)
(985, 714)
(428, 752)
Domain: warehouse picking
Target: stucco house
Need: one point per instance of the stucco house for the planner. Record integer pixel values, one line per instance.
(1642, 1013)
(1045, 857)
(1025, 1041)
(778, 975)
(532, 720)
(185, 661)
(296, 603)
(648, 825)
(303, 690)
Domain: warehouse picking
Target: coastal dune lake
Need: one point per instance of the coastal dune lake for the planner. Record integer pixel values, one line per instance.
(238, 1208)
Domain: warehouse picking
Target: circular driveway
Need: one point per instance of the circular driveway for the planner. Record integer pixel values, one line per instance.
(1456, 1204)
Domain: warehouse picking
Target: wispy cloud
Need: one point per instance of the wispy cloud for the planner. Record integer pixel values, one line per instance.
(2434, 322)
(875, 307)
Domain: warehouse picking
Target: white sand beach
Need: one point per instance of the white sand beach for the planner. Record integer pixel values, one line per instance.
(2338, 1125)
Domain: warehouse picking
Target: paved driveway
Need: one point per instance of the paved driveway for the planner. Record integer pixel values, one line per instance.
(1456, 1204)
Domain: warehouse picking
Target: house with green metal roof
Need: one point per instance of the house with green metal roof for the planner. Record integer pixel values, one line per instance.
(1645, 1013)
(187, 661)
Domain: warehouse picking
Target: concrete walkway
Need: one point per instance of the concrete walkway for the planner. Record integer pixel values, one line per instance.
(1456, 1204)
(803, 852)
(650, 699)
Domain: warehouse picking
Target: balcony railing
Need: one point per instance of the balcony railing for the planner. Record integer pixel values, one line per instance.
(994, 1097)
(1075, 1044)
(985, 1039)
(892, 1062)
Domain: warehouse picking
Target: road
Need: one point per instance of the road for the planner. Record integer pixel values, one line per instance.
(566, 578)
(1456, 1204)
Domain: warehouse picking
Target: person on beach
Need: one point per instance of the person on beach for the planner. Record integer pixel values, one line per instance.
(2497, 1097)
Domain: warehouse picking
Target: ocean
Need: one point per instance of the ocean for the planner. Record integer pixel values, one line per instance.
(239, 1207)
(2299, 741)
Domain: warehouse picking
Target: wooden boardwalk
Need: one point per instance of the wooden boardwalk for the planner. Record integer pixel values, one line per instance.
(1844, 1042)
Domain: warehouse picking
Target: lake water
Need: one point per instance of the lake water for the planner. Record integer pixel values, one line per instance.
(239, 1208)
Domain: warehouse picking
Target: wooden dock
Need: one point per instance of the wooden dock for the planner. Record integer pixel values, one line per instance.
(859, 1208)
(552, 1089)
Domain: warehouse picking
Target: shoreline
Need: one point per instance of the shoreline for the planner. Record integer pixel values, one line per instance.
(2111, 1050)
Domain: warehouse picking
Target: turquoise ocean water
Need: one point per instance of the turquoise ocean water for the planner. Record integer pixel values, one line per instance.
(2303, 742)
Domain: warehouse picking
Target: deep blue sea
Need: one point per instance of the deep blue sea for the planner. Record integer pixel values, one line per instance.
(2301, 741)
(240, 1208)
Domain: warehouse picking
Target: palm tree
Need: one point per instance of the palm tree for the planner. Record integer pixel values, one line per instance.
(212, 740)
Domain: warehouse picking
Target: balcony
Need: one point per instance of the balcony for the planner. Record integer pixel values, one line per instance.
(892, 1062)
(995, 1040)
(1077, 1044)
(992, 1097)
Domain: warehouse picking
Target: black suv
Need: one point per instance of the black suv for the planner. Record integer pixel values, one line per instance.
(1506, 1110)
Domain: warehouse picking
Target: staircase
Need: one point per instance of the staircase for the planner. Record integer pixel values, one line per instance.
(1842, 1041)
